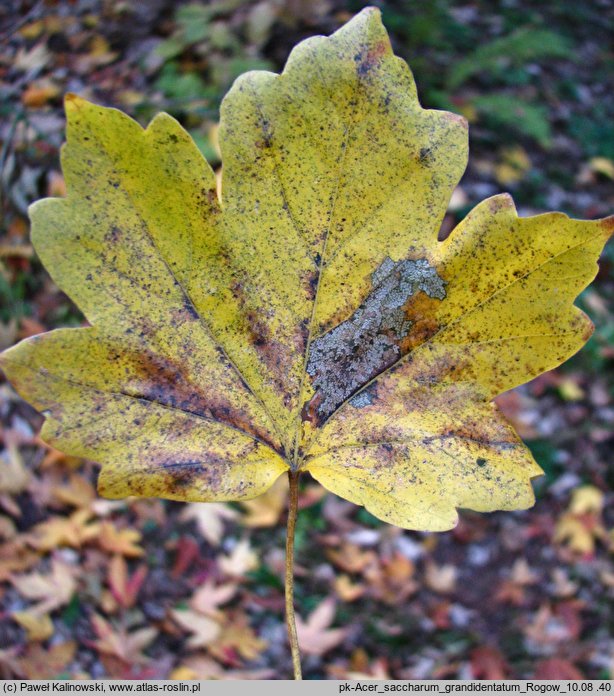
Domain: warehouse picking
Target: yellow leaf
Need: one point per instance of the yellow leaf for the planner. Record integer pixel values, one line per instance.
(38, 626)
(305, 317)
(586, 499)
(513, 165)
(570, 390)
(602, 165)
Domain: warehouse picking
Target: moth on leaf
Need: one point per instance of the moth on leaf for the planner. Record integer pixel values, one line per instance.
(307, 319)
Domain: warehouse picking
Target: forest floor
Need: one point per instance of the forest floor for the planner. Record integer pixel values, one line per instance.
(154, 589)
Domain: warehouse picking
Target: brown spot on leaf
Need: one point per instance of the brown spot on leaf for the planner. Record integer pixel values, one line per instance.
(162, 380)
(366, 61)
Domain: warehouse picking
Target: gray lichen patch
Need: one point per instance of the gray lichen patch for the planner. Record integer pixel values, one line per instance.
(345, 358)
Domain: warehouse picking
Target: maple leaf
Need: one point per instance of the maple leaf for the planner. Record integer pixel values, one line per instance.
(120, 541)
(239, 561)
(125, 588)
(315, 636)
(209, 519)
(74, 531)
(308, 319)
(204, 630)
(266, 509)
(121, 644)
(51, 591)
(46, 663)
(209, 597)
(237, 637)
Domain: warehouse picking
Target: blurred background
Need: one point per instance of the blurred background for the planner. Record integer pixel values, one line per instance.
(152, 589)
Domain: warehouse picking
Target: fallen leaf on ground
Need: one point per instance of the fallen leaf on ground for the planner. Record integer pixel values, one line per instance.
(125, 587)
(315, 635)
(351, 558)
(346, 590)
(75, 530)
(237, 637)
(440, 578)
(120, 643)
(557, 668)
(78, 492)
(240, 560)
(38, 625)
(203, 629)
(52, 591)
(209, 597)
(487, 662)
(46, 663)
(209, 518)
(581, 526)
(120, 541)
(266, 509)
(202, 667)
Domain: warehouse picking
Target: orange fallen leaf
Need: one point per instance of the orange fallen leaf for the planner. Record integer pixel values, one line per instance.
(391, 580)
(346, 590)
(120, 541)
(39, 94)
(74, 531)
(78, 492)
(350, 558)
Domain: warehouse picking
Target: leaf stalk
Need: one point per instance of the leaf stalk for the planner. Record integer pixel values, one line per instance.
(293, 477)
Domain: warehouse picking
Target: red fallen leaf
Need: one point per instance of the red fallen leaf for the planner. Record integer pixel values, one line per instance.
(125, 588)
(440, 615)
(488, 663)
(569, 612)
(186, 552)
(557, 668)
